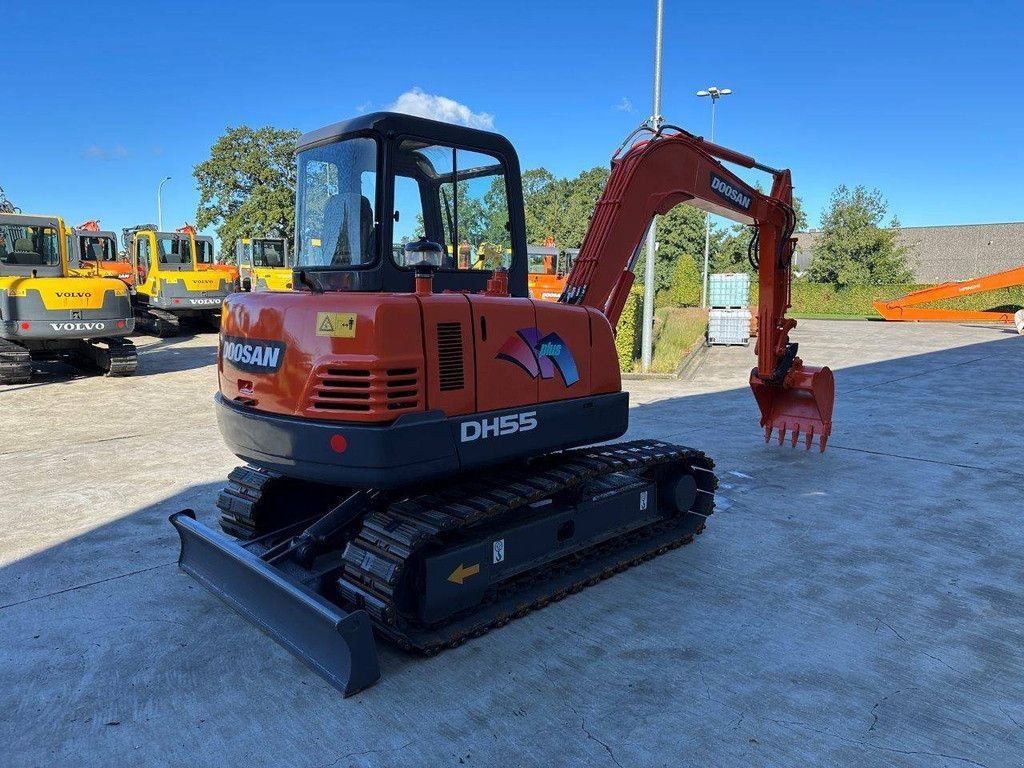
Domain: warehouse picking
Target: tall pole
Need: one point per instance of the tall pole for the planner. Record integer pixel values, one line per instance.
(707, 226)
(715, 94)
(159, 204)
(647, 338)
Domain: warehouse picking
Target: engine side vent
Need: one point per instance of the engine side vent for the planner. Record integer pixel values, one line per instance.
(449, 356)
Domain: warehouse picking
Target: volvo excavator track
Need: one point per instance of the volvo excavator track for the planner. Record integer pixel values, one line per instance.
(15, 363)
(445, 564)
(115, 356)
(157, 322)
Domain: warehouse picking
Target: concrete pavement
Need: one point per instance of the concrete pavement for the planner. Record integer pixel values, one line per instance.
(858, 607)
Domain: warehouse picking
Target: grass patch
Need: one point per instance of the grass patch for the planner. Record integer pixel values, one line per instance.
(676, 330)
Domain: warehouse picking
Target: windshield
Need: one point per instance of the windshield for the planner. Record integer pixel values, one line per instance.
(204, 251)
(97, 248)
(337, 196)
(174, 251)
(268, 253)
(24, 248)
(543, 261)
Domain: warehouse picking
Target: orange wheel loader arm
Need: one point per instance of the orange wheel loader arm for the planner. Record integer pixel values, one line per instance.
(657, 171)
(906, 307)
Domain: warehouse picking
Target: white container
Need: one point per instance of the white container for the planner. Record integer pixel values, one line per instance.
(728, 326)
(729, 290)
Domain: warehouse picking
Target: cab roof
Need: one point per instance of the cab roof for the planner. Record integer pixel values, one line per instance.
(398, 124)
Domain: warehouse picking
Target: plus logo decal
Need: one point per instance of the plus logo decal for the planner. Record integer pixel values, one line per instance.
(540, 356)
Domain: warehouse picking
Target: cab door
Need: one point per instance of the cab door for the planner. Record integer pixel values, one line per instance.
(142, 260)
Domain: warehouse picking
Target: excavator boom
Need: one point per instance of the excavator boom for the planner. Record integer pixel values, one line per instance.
(661, 169)
(907, 307)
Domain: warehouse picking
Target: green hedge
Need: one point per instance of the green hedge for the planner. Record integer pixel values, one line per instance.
(627, 333)
(822, 299)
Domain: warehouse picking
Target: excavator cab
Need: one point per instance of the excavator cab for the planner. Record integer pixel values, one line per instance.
(264, 264)
(170, 285)
(93, 251)
(368, 186)
(49, 311)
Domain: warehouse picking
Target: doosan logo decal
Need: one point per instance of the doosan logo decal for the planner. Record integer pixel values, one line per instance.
(78, 326)
(724, 189)
(253, 355)
(509, 424)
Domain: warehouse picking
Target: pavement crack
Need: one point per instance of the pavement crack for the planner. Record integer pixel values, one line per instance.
(886, 623)
(835, 446)
(707, 688)
(592, 737)
(946, 664)
(878, 747)
(87, 584)
(366, 752)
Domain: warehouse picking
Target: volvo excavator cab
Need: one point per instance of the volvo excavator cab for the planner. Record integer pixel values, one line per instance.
(48, 311)
(172, 288)
(264, 264)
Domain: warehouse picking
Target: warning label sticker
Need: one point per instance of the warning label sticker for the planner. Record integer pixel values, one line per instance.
(337, 324)
(499, 550)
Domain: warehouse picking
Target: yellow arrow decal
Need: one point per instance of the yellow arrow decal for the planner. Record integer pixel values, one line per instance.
(463, 572)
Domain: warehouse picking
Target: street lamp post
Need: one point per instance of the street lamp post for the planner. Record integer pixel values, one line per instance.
(715, 94)
(647, 332)
(159, 203)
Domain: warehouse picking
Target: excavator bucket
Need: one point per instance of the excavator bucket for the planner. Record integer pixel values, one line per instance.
(336, 644)
(799, 407)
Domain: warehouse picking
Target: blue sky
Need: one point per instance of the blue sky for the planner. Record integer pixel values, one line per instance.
(921, 99)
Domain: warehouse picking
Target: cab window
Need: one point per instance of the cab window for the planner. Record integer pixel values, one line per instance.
(142, 257)
(455, 197)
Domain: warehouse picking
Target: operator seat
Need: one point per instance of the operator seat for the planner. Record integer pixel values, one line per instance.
(24, 254)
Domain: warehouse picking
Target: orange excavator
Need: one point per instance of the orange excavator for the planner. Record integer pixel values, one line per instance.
(907, 307)
(422, 439)
(94, 251)
(548, 268)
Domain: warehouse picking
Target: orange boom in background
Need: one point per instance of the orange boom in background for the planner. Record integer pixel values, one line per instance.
(906, 307)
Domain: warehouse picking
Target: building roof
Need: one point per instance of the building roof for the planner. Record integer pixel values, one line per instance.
(940, 254)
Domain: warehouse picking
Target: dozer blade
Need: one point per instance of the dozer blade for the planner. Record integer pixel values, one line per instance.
(336, 644)
(800, 406)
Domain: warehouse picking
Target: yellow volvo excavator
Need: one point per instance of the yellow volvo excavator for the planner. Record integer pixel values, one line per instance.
(171, 288)
(263, 264)
(47, 312)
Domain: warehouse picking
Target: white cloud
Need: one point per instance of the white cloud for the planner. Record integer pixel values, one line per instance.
(625, 105)
(96, 152)
(416, 102)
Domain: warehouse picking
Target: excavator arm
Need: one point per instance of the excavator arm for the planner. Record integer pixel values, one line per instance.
(652, 172)
(906, 307)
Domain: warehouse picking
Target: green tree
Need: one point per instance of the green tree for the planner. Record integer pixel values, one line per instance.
(680, 233)
(247, 185)
(853, 248)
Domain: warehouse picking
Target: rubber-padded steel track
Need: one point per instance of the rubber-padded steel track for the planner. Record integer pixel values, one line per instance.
(115, 356)
(157, 322)
(375, 573)
(15, 363)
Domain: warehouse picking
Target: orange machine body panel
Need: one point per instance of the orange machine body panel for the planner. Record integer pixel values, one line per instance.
(372, 357)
